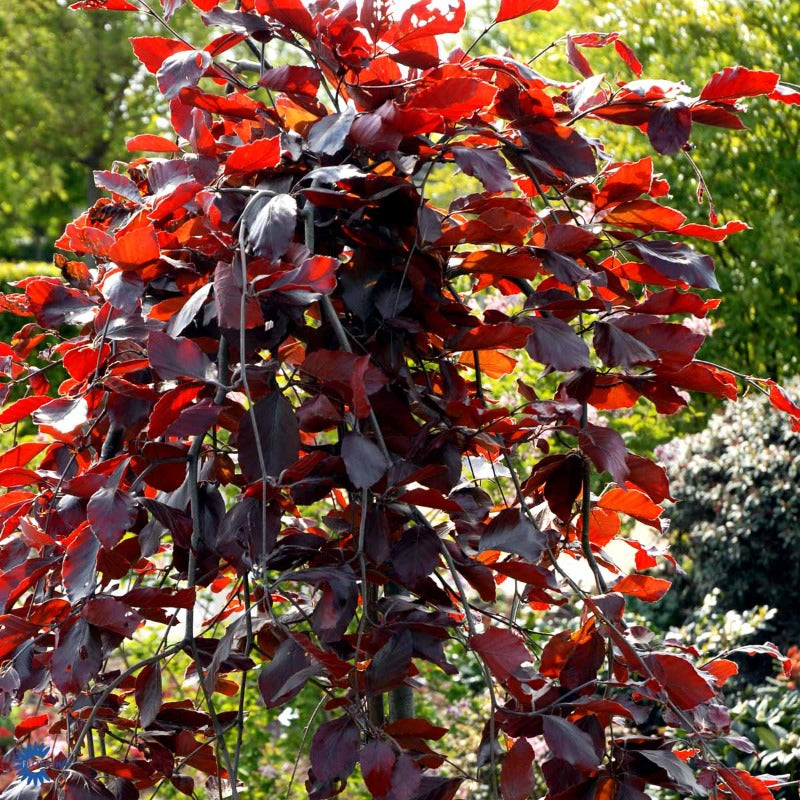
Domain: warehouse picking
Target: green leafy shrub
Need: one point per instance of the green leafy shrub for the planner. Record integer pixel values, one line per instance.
(736, 520)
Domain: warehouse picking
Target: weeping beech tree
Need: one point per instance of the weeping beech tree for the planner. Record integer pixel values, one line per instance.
(280, 395)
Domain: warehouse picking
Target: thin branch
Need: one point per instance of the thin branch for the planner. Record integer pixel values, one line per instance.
(480, 36)
(484, 669)
(586, 511)
(104, 695)
(329, 312)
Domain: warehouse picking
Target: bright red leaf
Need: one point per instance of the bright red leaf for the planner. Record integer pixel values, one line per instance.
(511, 9)
(735, 82)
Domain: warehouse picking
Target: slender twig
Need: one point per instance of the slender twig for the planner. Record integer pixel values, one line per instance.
(104, 695)
(243, 222)
(306, 731)
(329, 312)
(191, 639)
(195, 545)
(586, 511)
(484, 669)
(544, 50)
(248, 647)
(477, 40)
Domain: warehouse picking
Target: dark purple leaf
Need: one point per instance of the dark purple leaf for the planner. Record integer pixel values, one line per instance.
(62, 414)
(488, 166)
(678, 262)
(741, 743)
(123, 290)
(586, 94)
(125, 789)
(79, 569)
(241, 539)
(606, 448)
(569, 743)
(377, 536)
(239, 22)
(363, 460)
(178, 358)
(284, 677)
(152, 597)
(337, 606)
(675, 344)
(560, 147)
(184, 68)
(225, 658)
(118, 184)
(334, 750)
(377, 764)
(77, 786)
(562, 267)
(273, 422)
(553, 342)
(148, 694)
(195, 419)
(374, 133)
(329, 134)
(433, 787)
(576, 59)
(429, 224)
(189, 311)
(304, 284)
(20, 790)
(110, 512)
(111, 614)
(228, 295)
(563, 484)
(57, 305)
(178, 523)
(618, 348)
(77, 657)
(517, 778)
(270, 230)
(291, 79)
(406, 778)
(512, 532)
(679, 772)
(416, 555)
(389, 666)
(503, 651)
(669, 127)
(170, 7)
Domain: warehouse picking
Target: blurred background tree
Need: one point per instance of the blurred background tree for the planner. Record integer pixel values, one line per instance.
(71, 92)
